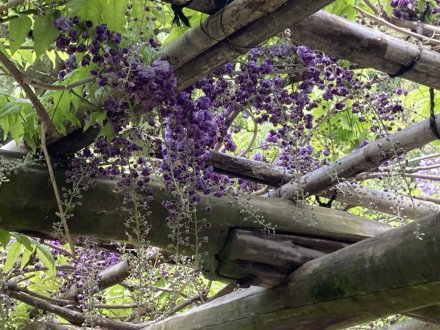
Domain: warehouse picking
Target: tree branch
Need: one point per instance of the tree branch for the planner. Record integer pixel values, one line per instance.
(11, 4)
(76, 318)
(62, 213)
(396, 28)
(42, 114)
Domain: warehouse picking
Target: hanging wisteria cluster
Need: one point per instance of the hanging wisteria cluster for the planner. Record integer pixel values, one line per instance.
(181, 128)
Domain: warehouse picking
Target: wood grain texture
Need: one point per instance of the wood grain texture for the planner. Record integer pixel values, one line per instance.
(393, 272)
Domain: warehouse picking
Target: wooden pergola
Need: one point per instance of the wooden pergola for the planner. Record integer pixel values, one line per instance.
(322, 268)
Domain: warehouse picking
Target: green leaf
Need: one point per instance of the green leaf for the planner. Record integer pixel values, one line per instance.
(348, 12)
(44, 33)
(95, 118)
(113, 14)
(8, 109)
(44, 255)
(18, 31)
(15, 126)
(61, 110)
(27, 254)
(175, 33)
(30, 131)
(138, 10)
(4, 237)
(23, 240)
(85, 9)
(13, 255)
(107, 131)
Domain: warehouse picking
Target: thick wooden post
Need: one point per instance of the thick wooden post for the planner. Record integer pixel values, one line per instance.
(394, 272)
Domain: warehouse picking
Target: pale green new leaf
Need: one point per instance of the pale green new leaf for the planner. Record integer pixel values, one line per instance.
(23, 240)
(27, 254)
(113, 14)
(18, 31)
(9, 108)
(44, 33)
(44, 255)
(12, 257)
(343, 8)
(85, 9)
(95, 118)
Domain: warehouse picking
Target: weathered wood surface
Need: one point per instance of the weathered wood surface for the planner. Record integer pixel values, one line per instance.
(359, 44)
(27, 205)
(215, 28)
(393, 272)
(360, 160)
(430, 314)
(265, 259)
(413, 325)
(107, 278)
(248, 37)
(204, 6)
(367, 47)
(351, 194)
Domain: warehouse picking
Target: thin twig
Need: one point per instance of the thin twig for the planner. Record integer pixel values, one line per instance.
(396, 28)
(58, 248)
(376, 175)
(428, 28)
(42, 269)
(418, 159)
(61, 302)
(372, 7)
(72, 316)
(425, 28)
(123, 306)
(254, 135)
(229, 122)
(185, 304)
(409, 169)
(78, 83)
(62, 214)
(427, 198)
(11, 4)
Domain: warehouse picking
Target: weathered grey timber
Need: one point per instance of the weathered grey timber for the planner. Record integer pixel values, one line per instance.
(264, 259)
(27, 205)
(248, 37)
(367, 47)
(393, 272)
(351, 194)
(413, 325)
(360, 160)
(215, 28)
(204, 6)
(344, 39)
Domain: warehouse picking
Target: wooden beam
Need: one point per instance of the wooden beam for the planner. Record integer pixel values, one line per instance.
(262, 259)
(367, 47)
(27, 205)
(391, 273)
(413, 325)
(360, 160)
(248, 37)
(204, 6)
(352, 194)
(348, 40)
(215, 28)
